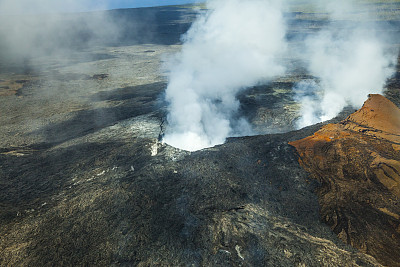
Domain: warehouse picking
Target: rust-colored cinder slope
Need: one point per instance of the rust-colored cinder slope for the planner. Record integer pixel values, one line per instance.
(357, 163)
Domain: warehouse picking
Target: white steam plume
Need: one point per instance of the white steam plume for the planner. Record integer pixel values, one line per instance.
(308, 93)
(350, 60)
(32, 29)
(232, 46)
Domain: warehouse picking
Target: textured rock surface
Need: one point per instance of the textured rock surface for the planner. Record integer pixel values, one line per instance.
(357, 163)
(136, 202)
(84, 180)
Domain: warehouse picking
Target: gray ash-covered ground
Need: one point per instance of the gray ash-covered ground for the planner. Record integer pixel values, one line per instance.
(247, 202)
(84, 179)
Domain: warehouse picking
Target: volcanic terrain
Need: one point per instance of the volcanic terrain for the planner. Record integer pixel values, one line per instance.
(85, 179)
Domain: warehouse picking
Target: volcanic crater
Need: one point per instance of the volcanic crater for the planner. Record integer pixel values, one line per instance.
(86, 180)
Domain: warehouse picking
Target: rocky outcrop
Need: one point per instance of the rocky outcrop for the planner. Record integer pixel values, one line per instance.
(357, 162)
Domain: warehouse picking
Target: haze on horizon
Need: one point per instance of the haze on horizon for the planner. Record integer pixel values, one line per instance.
(56, 6)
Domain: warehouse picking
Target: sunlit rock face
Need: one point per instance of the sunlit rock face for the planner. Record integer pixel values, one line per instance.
(357, 162)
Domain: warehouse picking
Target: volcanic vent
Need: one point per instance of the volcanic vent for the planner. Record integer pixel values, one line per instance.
(235, 45)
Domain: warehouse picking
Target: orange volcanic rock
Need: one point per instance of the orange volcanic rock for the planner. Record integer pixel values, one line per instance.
(357, 163)
(378, 117)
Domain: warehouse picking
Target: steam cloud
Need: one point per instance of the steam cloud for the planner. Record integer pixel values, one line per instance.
(350, 60)
(32, 29)
(236, 44)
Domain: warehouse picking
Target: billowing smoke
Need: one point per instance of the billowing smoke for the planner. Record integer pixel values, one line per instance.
(32, 29)
(236, 44)
(309, 94)
(350, 58)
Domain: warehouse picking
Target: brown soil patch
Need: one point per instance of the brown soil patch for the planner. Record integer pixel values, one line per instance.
(11, 87)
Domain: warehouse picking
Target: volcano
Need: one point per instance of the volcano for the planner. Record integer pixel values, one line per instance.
(85, 178)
